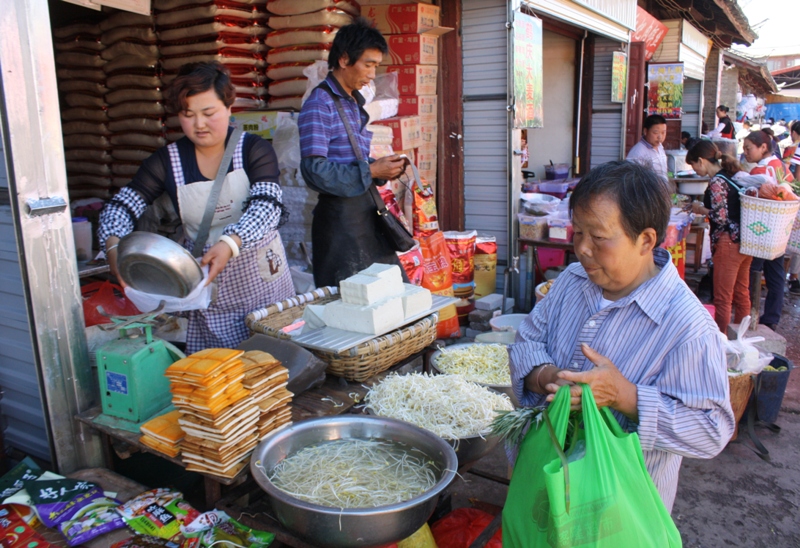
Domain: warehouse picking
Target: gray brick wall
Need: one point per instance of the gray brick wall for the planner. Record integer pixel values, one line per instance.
(712, 87)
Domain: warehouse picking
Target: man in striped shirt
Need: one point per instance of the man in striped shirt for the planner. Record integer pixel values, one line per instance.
(623, 322)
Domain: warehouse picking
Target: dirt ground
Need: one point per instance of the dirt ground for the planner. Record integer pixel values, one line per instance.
(735, 499)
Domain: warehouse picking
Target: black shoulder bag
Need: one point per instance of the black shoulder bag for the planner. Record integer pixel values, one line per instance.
(395, 232)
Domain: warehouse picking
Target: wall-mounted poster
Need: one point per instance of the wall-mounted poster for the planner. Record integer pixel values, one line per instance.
(619, 76)
(665, 90)
(528, 73)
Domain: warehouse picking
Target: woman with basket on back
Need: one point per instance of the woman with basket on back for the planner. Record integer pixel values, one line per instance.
(758, 150)
(721, 205)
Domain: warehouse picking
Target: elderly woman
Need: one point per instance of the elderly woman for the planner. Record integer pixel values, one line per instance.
(244, 252)
(623, 322)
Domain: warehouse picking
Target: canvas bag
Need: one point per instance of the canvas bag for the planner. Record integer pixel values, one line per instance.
(611, 500)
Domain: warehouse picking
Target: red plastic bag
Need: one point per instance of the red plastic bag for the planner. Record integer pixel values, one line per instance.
(412, 262)
(111, 297)
(461, 527)
(438, 278)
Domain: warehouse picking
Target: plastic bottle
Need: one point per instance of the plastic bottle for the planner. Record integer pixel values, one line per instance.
(82, 232)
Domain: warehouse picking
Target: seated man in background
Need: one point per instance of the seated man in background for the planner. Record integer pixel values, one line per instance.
(649, 151)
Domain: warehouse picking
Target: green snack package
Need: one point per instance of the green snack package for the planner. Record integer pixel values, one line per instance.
(594, 491)
(158, 513)
(11, 482)
(218, 528)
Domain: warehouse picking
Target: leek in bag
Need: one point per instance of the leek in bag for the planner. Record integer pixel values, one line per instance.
(583, 483)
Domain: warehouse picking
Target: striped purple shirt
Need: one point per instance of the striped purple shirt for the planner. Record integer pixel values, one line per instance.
(322, 132)
(661, 339)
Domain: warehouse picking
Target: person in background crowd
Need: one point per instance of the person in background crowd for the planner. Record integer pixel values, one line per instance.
(345, 232)
(623, 322)
(758, 150)
(244, 252)
(649, 151)
(724, 127)
(721, 205)
(774, 146)
(791, 156)
(741, 134)
(687, 141)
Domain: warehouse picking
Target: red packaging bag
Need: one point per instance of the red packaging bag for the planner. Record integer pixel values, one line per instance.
(111, 297)
(391, 204)
(438, 278)
(425, 218)
(485, 265)
(462, 526)
(413, 263)
(461, 246)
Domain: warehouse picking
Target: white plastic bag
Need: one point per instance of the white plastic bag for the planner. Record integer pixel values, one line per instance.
(315, 73)
(286, 142)
(742, 353)
(198, 299)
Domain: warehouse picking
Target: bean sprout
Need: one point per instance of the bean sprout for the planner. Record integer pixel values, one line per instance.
(483, 363)
(447, 405)
(354, 473)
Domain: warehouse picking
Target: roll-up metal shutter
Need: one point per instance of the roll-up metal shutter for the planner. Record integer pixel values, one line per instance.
(486, 149)
(692, 106)
(22, 415)
(607, 117)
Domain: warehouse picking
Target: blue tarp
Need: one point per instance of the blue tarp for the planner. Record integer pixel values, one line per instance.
(787, 111)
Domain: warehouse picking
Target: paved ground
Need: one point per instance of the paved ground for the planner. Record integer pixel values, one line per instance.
(735, 499)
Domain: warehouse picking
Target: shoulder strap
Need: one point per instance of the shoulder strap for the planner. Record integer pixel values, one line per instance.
(213, 198)
(730, 182)
(345, 121)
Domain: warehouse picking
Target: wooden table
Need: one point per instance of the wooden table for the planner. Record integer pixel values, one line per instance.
(334, 397)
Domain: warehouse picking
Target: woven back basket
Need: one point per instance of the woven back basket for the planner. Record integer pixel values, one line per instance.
(766, 226)
(360, 362)
(741, 387)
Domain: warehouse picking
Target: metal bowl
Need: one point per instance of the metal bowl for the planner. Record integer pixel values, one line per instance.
(154, 264)
(332, 527)
(502, 388)
(473, 448)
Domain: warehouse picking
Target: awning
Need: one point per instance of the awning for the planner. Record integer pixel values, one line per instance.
(754, 76)
(720, 20)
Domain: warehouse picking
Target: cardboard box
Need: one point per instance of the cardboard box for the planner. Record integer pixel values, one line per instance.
(415, 49)
(424, 106)
(406, 131)
(261, 123)
(403, 18)
(426, 162)
(414, 79)
(429, 133)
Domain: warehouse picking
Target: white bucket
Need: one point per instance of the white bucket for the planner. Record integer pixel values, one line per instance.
(496, 337)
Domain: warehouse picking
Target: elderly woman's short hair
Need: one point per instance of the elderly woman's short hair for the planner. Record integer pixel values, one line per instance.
(640, 194)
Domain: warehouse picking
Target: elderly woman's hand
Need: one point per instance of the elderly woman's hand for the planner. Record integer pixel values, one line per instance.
(609, 387)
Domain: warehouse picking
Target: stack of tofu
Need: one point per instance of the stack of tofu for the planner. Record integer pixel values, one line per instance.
(266, 379)
(217, 415)
(374, 301)
(163, 433)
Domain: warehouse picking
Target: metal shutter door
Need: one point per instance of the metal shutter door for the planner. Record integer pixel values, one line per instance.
(692, 102)
(607, 117)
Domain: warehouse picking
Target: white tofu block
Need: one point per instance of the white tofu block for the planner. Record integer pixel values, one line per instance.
(389, 272)
(313, 315)
(415, 300)
(366, 290)
(375, 319)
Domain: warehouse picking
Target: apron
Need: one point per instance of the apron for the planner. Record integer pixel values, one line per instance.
(258, 277)
(346, 238)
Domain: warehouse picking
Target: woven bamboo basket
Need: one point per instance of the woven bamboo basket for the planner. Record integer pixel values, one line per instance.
(360, 362)
(741, 387)
(766, 226)
(794, 238)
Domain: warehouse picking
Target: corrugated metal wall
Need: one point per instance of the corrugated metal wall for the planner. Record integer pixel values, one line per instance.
(485, 49)
(21, 405)
(692, 103)
(607, 117)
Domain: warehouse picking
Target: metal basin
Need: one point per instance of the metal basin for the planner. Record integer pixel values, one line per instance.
(502, 388)
(473, 448)
(332, 527)
(154, 264)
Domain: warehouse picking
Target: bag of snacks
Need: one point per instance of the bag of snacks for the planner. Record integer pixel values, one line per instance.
(158, 513)
(217, 527)
(57, 501)
(15, 533)
(412, 262)
(95, 519)
(438, 278)
(485, 265)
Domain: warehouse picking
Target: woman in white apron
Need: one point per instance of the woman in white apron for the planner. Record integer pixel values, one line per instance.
(244, 251)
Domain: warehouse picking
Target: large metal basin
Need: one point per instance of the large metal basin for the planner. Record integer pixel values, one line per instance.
(154, 264)
(332, 527)
(473, 448)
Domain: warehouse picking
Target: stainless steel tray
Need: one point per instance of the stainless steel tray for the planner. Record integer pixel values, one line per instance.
(329, 339)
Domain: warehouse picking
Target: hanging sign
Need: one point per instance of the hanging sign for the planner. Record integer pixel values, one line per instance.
(665, 90)
(528, 72)
(649, 30)
(619, 76)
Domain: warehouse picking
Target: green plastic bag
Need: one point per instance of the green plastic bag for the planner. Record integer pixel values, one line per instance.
(604, 498)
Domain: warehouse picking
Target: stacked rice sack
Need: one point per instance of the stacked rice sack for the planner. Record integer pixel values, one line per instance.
(82, 87)
(135, 98)
(303, 31)
(231, 33)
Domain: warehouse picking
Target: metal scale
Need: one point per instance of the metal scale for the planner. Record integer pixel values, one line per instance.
(133, 387)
